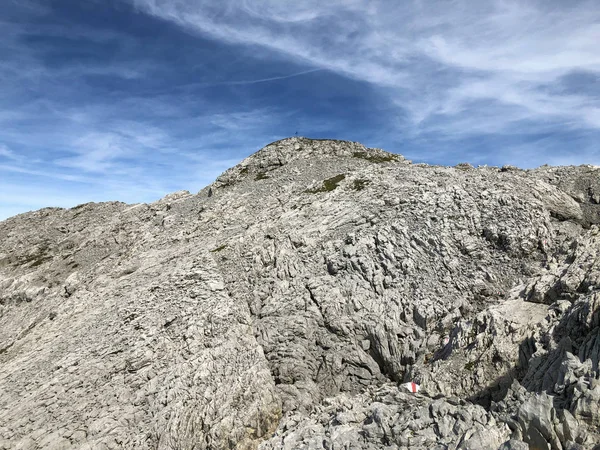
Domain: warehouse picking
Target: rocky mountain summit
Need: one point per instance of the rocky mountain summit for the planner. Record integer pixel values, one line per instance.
(285, 305)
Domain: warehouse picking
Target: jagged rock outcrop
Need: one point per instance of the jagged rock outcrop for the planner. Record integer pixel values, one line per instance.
(283, 306)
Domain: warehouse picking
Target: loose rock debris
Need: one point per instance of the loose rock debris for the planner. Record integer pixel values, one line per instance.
(267, 311)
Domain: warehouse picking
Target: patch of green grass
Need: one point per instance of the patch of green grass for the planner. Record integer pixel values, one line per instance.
(360, 184)
(464, 166)
(261, 176)
(218, 249)
(15, 298)
(375, 158)
(83, 205)
(328, 185)
(39, 256)
(470, 366)
(40, 261)
(331, 183)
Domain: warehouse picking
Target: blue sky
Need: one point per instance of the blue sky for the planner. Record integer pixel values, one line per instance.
(132, 99)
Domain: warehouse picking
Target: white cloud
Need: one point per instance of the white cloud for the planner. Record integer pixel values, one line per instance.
(7, 153)
(446, 71)
(69, 140)
(435, 58)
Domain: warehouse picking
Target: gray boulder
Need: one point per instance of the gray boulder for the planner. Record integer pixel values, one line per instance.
(286, 305)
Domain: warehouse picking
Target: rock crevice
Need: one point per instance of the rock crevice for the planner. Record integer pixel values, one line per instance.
(285, 305)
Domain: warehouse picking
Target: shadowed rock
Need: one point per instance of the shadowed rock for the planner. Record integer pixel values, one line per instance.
(282, 306)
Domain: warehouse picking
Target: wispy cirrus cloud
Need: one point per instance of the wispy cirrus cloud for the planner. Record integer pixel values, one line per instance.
(100, 114)
(505, 60)
(132, 99)
(7, 153)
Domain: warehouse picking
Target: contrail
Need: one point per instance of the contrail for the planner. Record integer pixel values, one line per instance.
(264, 80)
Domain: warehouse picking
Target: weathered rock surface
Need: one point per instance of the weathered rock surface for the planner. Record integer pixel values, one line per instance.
(282, 307)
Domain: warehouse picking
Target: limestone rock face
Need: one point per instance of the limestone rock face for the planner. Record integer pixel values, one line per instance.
(285, 305)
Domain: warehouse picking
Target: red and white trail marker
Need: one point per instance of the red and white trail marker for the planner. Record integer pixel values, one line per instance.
(412, 387)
